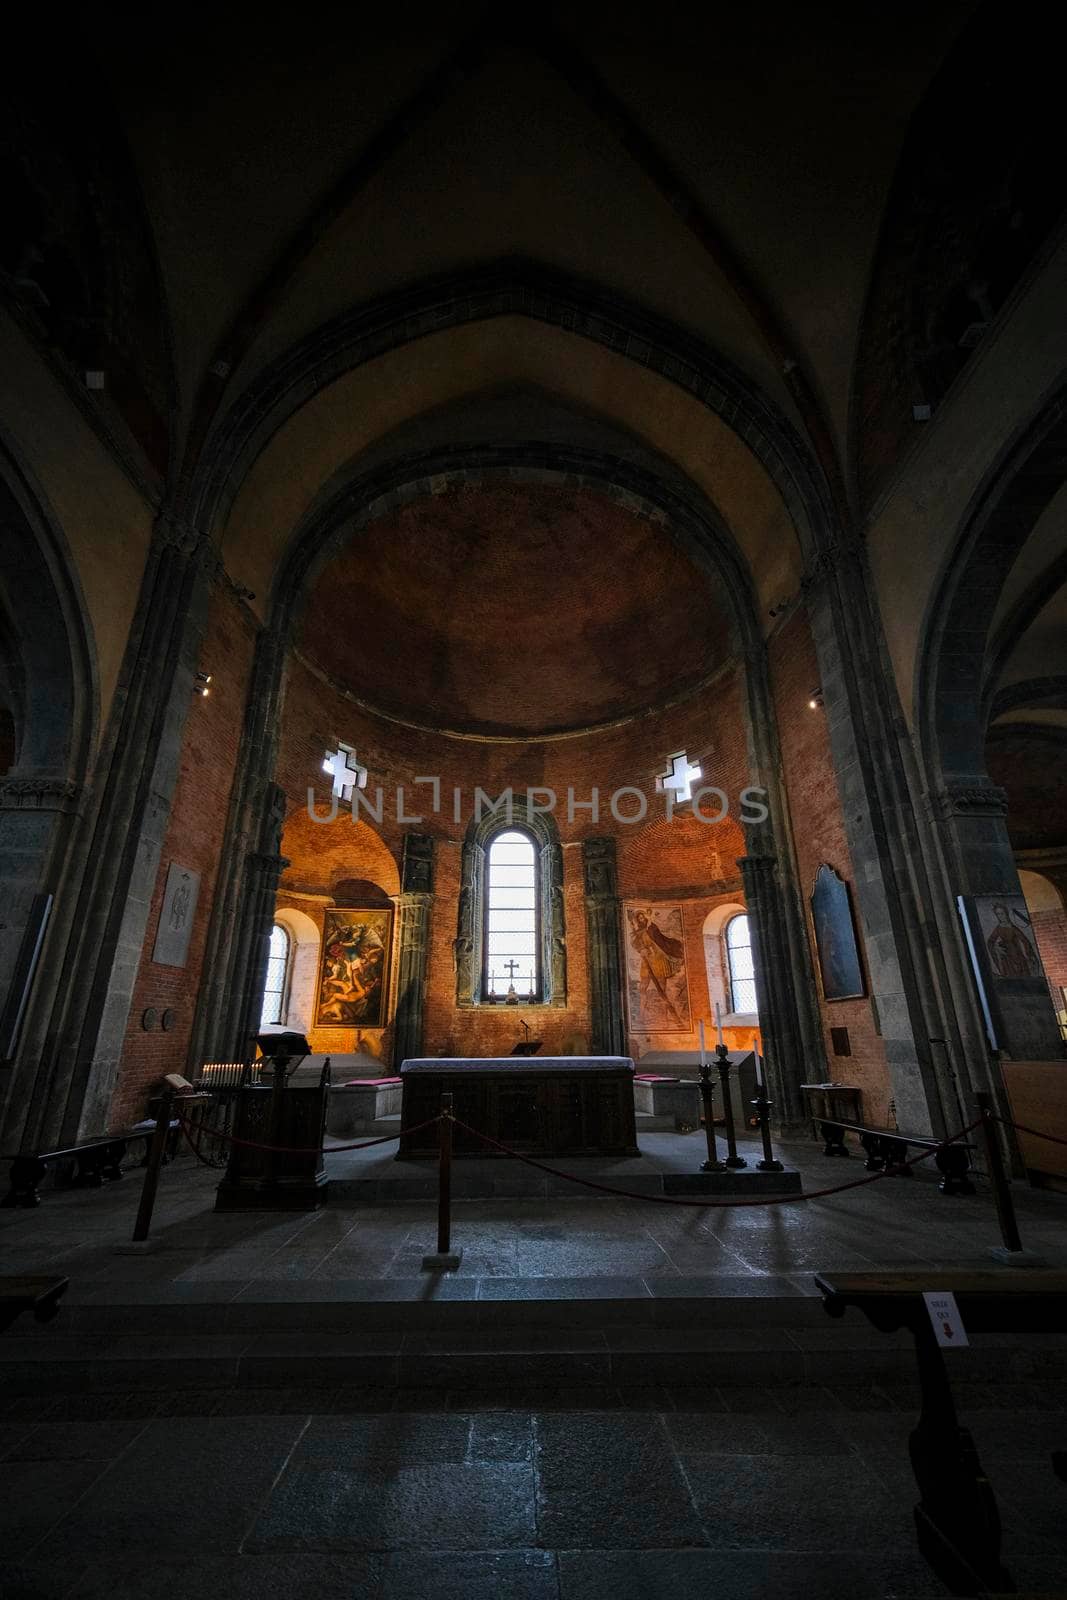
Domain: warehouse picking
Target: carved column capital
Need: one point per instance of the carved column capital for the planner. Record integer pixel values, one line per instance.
(967, 799)
(39, 792)
(599, 866)
(268, 864)
(416, 867)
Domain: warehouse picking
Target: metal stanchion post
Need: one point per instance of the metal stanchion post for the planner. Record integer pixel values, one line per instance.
(444, 1181)
(156, 1152)
(733, 1160)
(445, 1258)
(707, 1092)
(763, 1112)
(1011, 1251)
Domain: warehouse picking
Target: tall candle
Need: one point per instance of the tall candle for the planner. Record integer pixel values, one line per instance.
(718, 1020)
(701, 1026)
(759, 1062)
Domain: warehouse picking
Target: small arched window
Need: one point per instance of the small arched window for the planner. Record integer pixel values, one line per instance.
(511, 917)
(739, 966)
(274, 991)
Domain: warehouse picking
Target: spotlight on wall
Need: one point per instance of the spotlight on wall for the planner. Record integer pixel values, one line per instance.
(815, 701)
(203, 679)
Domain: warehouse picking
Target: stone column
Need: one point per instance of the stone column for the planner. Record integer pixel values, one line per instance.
(413, 942)
(603, 954)
(872, 755)
(73, 1034)
(775, 996)
(261, 891)
(37, 814)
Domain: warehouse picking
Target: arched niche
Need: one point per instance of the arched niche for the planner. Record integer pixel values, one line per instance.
(469, 949)
(716, 964)
(302, 977)
(1040, 893)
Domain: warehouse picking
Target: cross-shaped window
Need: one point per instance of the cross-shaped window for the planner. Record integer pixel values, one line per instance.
(679, 777)
(345, 770)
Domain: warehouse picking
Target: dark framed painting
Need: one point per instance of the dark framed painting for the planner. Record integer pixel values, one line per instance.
(354, 976)
(836, 945)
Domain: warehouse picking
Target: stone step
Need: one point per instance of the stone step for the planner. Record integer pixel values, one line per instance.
(438, 1302)
(499, 1180)
(473, 1360)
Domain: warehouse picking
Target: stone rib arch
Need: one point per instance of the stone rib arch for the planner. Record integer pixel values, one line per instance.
(949, 712)
(509, 288)
(51, 653)
(970, 840)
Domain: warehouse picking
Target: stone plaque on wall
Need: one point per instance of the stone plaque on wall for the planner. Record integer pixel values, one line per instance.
(176, 917)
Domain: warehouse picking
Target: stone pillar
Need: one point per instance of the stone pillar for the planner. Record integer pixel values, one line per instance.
(37, 814)
(413, 941)
(73, 1034)
(775, 995)
(872, 760)
(261, 890)
(603, 954)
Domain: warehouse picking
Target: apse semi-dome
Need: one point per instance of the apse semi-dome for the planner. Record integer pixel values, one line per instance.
(511, 610)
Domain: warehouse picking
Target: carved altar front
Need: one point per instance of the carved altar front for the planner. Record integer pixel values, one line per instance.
(548, 1105)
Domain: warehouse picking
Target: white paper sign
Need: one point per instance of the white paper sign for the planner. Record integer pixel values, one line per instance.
(945, 1317)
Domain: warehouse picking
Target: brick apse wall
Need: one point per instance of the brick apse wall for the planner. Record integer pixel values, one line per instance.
(683, 862)
(194, 838)
(819, 836)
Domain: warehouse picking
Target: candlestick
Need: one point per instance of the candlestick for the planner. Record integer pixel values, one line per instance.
(701, 1028)
(718, 1021)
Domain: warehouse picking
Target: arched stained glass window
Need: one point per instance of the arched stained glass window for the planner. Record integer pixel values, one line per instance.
(511, 931)
(739, 966)
(277, 977)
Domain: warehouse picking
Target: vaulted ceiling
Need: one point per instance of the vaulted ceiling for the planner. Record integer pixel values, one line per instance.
(513, 610)
(732, 170)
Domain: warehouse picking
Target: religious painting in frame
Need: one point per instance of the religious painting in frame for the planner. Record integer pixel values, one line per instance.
(657, 982)
(354, 977)
(836, 945)
(176, 915)
(1003, 950)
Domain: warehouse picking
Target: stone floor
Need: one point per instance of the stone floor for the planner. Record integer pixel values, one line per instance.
(764, 1455)
(132, 1497)
(564, 1236)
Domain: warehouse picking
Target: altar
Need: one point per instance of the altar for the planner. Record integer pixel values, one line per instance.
(548, 1105)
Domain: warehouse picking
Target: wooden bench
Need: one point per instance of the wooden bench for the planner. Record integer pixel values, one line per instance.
(39, 1295)
(887, 1150)
(97, 1161)
(956, 1518)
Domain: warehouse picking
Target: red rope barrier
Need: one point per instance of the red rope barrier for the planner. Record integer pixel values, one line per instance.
(1021, 1127)
(678, 1200)
(300, 1150)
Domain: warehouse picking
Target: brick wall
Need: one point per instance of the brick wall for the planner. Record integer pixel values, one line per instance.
(194, 838)
(683, 862)
(819, 836)
(1050, 929)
